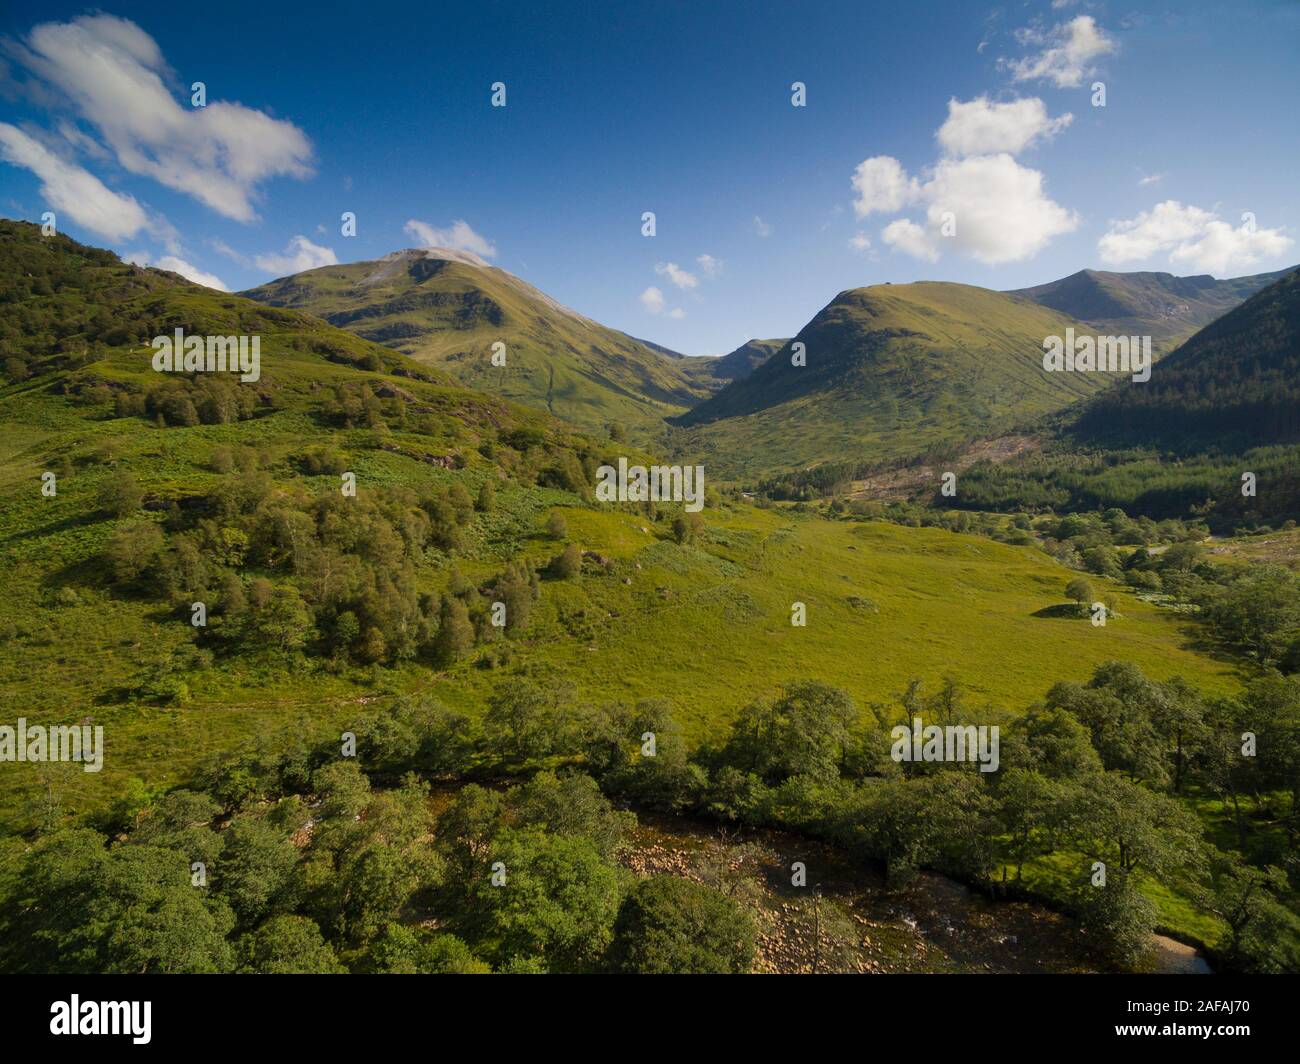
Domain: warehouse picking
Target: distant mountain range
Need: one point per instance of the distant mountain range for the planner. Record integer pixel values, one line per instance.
(890, 370)
(1166, 308)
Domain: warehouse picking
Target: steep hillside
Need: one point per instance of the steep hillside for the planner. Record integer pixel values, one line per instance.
(447, 308)
(1159, 305)
(1235, 384)
(1225, 402)
(890, 370)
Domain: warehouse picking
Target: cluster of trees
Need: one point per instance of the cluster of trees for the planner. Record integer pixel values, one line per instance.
(47, 323)
(329, 574)
(322, 866)
(328, 874)
(1204, 485)
(67, 305)
(319, 862)
(1079, 540)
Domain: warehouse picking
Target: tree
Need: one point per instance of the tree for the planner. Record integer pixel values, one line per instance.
(257, 870)
(556, 526)
(486, 497)
(132, 549)
(131, 909)
(120, 495)
(566, 564)
(558, 902)
(402, 951)
(659, 776)
(1079, 590)
(571, 805)
(523, 720)
(285, 621)
(686, 527)
(1245, 898)
(465, 833)
(1259, 611)
(288, 945)
(1130, 827)
(669, 925)
(804, 732)
(455, 632)
(1117, 919)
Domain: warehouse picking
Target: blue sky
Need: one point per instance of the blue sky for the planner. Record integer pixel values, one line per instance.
(680, 109)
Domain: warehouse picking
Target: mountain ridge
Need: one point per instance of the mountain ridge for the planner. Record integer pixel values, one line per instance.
(1167, 307)
(449, 308)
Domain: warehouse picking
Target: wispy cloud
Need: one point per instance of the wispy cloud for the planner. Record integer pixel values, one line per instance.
(1065, 53)
(73, 190)
(460, 236)
(681, 278)
(300, 254)
(110, 74)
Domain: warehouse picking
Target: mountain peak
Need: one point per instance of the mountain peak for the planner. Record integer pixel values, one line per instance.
(450, 254)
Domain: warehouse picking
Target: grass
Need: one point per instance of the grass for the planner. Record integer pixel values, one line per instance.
(705, 625)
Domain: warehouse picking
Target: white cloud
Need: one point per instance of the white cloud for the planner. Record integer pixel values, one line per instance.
(681, 278)
(860, 242)
(72, 191)
(708, 265)
(1067, 52)
(996, 211)
(882, 185)
(760, 227)
(1000, 210)
(1150, 179)
(1194, 239)
(460, 237)
(653, 300)
(177, 265)
(905, 235)
(300, 254)
(982, 127)
(112, 73)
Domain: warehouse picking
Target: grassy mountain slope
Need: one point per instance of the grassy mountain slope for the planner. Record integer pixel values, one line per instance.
(890, 369)
(1160, 305)
(1225, 402)
(1235, 384)
(80, 642)
(447, 308)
